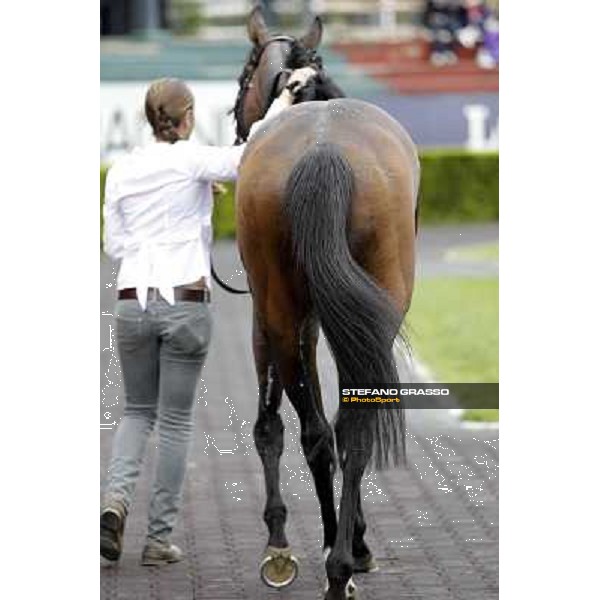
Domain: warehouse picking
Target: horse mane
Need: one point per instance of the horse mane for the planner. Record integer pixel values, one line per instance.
(244, 82)
(320, 87)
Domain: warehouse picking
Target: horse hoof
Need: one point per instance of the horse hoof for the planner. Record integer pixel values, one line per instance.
(365, 564)
(279, 567)
(350, 592)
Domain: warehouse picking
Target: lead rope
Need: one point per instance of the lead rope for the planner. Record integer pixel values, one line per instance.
(224, 285)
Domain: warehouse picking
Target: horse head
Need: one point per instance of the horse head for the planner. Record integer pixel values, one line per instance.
(271, 60)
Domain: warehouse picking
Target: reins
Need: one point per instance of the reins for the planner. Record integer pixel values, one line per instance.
(224, 285)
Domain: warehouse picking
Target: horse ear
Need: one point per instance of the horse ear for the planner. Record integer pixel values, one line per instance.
(313, 38)
(257, 28)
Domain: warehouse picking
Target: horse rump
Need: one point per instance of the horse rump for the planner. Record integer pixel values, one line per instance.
(357, 316)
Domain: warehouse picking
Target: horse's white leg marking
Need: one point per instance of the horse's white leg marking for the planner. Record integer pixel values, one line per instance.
(350, 586)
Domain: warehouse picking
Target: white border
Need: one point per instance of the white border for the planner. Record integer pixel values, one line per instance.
(50, 300)
(549, 298)
(549, 307)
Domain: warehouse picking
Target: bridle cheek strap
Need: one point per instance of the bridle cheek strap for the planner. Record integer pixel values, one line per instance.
(277, 87)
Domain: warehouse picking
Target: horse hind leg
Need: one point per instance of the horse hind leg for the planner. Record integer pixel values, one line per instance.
(340, 561)
(289, 331)
(316, 433)
(278, 567)
(364, 562)
(268, 438)
(295, 339)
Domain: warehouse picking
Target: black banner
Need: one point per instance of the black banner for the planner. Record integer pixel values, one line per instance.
(420, 395)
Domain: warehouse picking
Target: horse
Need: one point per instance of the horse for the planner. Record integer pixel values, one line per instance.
(326, 218)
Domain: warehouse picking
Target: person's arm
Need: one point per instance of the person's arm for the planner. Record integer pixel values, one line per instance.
(114, 232)
(221, 163)
(295, 83)
(283, 101)
(217, 163)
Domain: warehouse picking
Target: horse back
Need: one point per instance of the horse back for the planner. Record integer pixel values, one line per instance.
(376, 145)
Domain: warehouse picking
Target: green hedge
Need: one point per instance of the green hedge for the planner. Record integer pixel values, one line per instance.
(456, 186)
(224, 214)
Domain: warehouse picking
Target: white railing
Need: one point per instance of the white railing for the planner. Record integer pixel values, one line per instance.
(242, 7)
(366, 18)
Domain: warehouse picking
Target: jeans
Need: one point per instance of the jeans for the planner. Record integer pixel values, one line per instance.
(162, 351)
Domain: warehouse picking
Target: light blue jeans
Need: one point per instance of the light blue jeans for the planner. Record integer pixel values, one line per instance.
(162, 351)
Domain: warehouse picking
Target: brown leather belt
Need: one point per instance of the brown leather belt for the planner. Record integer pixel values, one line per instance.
(182, 294)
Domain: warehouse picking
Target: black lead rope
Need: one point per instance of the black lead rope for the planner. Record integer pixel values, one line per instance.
(224, 285)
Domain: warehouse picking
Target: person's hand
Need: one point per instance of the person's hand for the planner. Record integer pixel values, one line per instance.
(299, 78)
(218, 189)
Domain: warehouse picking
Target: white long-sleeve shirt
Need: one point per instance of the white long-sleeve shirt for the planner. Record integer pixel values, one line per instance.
(157, 211)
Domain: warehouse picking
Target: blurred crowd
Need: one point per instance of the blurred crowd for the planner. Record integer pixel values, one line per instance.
(467, 23)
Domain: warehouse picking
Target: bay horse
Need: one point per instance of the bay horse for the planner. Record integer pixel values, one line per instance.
(326, 225)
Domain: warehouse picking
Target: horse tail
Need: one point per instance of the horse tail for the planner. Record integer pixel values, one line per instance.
(357, 316)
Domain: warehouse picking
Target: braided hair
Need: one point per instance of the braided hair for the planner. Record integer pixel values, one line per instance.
(167, 101)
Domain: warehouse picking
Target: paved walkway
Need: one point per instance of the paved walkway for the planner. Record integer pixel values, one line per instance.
(434, 242)
(433, 527)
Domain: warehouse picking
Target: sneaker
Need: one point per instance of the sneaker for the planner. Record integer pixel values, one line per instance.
(159, 553)
(112, 525)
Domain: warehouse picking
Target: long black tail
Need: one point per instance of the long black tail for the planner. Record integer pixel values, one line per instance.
(358, 319)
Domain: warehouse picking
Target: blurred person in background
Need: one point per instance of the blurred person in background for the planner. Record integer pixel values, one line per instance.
(488, 55)
(444, 19)
(157, 222)
(481, 32)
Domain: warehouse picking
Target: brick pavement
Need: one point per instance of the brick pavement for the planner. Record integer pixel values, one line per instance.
(433, 527)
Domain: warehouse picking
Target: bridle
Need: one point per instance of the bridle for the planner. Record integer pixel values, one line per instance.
(245, 80)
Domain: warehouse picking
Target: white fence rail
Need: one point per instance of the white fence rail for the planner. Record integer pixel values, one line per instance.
(358, 18)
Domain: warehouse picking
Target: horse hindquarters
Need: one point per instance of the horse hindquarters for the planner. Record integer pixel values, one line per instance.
(356, 315)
